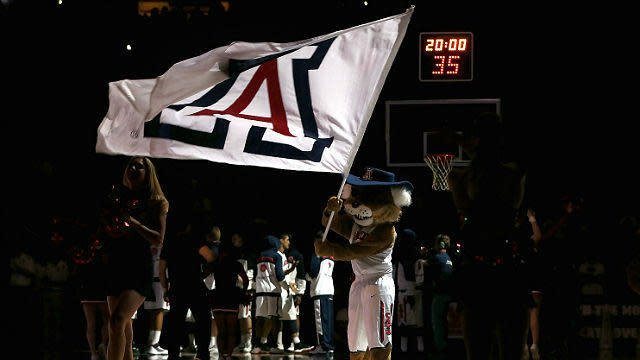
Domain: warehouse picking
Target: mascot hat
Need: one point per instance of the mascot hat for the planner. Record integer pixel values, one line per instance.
(377, 177)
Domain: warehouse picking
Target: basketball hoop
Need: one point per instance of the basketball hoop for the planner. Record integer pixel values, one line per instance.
(440, 165)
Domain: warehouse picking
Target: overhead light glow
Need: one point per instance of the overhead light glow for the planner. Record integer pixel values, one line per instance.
(59, 2)
(128, 47)
(366, 3)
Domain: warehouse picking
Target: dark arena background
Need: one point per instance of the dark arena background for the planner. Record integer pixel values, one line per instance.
(565, 77)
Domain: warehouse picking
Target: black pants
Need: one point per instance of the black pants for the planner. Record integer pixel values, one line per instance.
(200, 307)
(439, 311)
(323, 306)
(289, 327)
(496, 304)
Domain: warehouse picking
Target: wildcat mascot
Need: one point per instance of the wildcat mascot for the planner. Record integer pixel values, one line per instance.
(372, 204)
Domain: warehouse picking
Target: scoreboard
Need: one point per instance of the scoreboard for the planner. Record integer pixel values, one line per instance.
(446, 56)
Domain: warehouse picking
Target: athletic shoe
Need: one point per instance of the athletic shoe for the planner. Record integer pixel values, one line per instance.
(330, 354)
(189, 350)
(300, 347)
(277, 350)
(155, 349)
(242, 348)
(213, 349)
(318, 350)
(262, 349)
(290, 350)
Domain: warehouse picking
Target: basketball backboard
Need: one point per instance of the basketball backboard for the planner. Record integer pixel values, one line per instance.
(413, 128)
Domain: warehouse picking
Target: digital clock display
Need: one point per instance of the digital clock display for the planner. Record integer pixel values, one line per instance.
(446, 56)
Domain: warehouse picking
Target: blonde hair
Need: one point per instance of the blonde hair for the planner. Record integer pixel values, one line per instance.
(152, 184)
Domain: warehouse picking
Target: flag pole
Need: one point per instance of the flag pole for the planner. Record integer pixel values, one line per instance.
(374, 99)
(326, 229)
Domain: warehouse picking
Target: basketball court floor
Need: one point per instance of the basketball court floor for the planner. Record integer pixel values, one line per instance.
(85, 355)
(456, 352)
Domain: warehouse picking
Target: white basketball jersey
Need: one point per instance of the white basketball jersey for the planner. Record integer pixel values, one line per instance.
(403, 283)
(290, 277)
(249, 272)
(155, 256)
(265, 278)
(376, 264)
(323, 283)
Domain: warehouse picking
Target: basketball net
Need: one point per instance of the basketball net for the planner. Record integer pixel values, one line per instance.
(440, 165)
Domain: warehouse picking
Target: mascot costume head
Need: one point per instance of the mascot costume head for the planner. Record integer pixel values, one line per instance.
(376, 197)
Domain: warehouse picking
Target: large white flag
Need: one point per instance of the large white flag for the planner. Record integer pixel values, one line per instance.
(300, 106)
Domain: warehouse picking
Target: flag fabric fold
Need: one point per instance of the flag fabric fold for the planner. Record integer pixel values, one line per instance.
(302, 105)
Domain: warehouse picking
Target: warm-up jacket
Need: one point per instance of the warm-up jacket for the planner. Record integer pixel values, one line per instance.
(269, 276)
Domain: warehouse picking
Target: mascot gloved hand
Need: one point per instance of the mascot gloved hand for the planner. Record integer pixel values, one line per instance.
(372, 204)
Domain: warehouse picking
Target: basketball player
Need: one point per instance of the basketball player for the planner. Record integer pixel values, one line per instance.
(298, 285)
(242, 253)
(270, 279)
(156, 307)
(287, 315)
